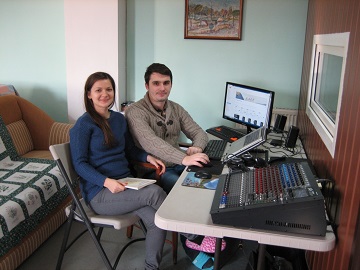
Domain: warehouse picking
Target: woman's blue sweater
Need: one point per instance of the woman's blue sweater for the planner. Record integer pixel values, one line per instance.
(93, 160)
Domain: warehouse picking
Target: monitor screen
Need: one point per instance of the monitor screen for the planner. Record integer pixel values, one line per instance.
(247, 105)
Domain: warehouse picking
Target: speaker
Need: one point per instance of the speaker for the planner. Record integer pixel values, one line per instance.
(292, 136)
(280, 122)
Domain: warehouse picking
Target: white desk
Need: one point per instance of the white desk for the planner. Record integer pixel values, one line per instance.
(187, 210)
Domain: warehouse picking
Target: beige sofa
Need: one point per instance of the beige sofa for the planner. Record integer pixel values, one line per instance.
(32, 132)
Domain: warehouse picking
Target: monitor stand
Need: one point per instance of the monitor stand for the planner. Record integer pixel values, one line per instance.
(245, 130)
(248, 130)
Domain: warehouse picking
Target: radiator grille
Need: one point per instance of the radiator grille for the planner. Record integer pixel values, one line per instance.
(291, 119)
(291, 115)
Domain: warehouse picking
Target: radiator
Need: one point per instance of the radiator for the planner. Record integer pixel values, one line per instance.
(291, 115)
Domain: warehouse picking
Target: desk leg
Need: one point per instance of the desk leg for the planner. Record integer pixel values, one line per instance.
(261, 257)
(217, 253)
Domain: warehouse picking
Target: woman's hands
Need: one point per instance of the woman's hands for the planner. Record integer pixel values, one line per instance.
(114, 186)
(157, 163)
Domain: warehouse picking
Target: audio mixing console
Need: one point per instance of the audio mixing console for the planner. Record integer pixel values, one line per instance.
(283, 197)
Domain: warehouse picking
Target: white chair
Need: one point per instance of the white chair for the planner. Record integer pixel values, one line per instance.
(78, 211)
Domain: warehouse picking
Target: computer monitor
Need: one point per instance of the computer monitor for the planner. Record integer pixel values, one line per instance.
(248, 105)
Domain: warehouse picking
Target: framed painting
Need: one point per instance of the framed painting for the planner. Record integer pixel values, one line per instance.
(213, 19)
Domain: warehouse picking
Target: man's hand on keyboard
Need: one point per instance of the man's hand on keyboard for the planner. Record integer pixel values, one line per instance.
(195, 159)
(193, 150)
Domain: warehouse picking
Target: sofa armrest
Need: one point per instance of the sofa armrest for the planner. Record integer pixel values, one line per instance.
(59, 133)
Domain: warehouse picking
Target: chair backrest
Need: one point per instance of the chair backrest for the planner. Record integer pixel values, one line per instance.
(62, 155)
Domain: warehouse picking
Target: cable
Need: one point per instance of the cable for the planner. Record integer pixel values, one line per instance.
(271, 149)
(236, 164)
(324, 181)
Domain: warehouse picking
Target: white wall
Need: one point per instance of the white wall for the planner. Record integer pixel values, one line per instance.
(269, 55)
(92, 44)
(48, 53)
(32, 52)
(49, 48)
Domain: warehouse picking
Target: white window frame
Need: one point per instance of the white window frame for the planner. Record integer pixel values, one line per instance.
(333, 44)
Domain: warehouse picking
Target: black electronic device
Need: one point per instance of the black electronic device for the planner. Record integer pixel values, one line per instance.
(282, 197)
(276, 142)
(251, 161)
(260, 162)
(226, 133)
(215, 167)
(292, 136)
(215, 149)
(248, 160)
(247, 105)
(207, 165)
(280, 122)
(203, 174)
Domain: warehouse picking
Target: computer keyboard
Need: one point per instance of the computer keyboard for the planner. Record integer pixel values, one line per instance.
(225, 133)
(215, 149)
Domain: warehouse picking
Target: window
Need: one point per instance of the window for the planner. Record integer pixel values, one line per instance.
(326, 85)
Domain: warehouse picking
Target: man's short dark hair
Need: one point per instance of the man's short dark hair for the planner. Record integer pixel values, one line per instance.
(158, 68)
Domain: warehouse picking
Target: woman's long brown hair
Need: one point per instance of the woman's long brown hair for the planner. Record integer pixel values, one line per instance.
(89, 106)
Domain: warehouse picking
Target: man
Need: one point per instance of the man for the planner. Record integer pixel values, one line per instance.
(156, 122)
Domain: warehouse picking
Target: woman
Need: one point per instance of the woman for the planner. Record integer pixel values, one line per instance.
(100, 148)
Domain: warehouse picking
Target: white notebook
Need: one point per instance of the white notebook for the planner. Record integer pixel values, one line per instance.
(137, 183)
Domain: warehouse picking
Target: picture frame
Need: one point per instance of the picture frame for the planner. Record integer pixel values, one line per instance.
(213, 19)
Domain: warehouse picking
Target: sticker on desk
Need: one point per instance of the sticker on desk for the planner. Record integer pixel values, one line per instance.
(192, 181)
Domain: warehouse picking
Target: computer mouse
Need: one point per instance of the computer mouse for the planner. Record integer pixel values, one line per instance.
(203, 175)
(260, 162)
(209, 164)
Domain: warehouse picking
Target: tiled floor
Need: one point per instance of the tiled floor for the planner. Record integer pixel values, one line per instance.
(83, 255)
